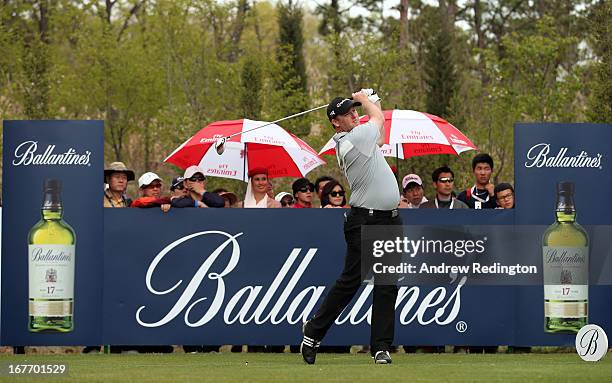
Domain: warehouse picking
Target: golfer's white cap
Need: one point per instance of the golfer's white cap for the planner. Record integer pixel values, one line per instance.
(147, 178)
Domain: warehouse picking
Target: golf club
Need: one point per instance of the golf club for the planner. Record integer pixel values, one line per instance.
(220, 143)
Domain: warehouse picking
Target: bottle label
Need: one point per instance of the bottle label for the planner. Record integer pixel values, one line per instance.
(51, 272)
(566, 273)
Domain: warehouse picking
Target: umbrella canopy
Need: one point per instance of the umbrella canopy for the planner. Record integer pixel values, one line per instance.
(271, 147)
(409, 133)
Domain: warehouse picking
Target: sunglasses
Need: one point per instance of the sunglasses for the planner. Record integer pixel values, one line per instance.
(153, 186)
(179, 187)
(197, 179)
(305, 189)
(446, 180)
(287, 202)
(337, 193)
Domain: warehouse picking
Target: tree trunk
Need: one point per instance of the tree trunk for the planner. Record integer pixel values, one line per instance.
(243, 7)
(403, 37)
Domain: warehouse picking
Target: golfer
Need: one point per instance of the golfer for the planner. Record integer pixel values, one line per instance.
(374, 201)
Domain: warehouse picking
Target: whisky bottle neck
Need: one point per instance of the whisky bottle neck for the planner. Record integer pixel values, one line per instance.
(566, 210)
(52, 206)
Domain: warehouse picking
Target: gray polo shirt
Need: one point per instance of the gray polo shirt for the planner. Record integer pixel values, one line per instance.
(370, 177)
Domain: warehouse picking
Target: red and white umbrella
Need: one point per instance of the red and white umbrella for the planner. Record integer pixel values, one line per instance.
(270, 147)
(409, 133)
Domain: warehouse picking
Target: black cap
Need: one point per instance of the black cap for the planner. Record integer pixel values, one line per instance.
(339, 106)
(565, 187)
(52, 185)
(176, 181)
(52, 189)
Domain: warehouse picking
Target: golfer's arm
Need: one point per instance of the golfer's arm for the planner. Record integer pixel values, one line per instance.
(377, 118)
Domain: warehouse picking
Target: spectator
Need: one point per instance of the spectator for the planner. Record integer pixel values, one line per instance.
(285, 199)
(443, 181)
(504, 195)
(257, 190)
(149, 187)
(177, 188)
(333, 195)
(195, 183)
(230, 198)
(117, 176)
(270, 189)
(320, 184)
(412, 192)
(302, 192)
(481, 195)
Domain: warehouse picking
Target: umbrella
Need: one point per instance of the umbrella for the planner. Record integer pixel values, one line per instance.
(271, 147)
(409, 133)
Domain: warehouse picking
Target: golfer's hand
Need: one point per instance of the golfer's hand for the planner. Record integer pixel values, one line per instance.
(360, 96)
(372, 95)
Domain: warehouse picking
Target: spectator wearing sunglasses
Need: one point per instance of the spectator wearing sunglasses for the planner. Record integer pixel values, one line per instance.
(257, 190)
(320, 184)
(194, 181)
(286, 199)
(443, 182)
(302, 192)
(333, 195)
(177, 188)
(149, 188)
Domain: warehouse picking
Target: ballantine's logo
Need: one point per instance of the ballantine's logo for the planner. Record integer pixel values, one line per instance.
(25, 154)
(248, 305)
(538, 156)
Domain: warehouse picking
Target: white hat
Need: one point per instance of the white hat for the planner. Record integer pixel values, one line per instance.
(147, 178)
(280, 196)
(411, 178)
(193, 169)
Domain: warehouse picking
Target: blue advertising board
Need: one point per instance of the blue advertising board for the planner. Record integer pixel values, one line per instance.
(71, 152)
(252, 276)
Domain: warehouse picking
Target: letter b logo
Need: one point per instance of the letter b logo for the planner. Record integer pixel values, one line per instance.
(591, 343)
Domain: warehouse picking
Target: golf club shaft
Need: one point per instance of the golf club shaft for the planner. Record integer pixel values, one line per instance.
(279, 120)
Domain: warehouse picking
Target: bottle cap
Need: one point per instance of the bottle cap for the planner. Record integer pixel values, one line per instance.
(565, 187)
(52, 185)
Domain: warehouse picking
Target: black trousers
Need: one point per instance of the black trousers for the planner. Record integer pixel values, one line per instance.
(343, 291)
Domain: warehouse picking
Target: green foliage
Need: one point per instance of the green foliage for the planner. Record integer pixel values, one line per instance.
(291, 92)
(159, 72)
(440, 72)
(250, 98)
(600, 102)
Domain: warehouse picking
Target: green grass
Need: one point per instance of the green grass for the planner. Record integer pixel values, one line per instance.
(227, 367)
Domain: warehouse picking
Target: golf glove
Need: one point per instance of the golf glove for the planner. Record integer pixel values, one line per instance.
(371, 93)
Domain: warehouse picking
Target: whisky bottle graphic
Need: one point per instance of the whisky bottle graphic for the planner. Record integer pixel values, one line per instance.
(566, 267)
(51, 245)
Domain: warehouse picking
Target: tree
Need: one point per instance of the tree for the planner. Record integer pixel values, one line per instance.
(440, 72)
(600, 102)
(291, 82)
(250, 98)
